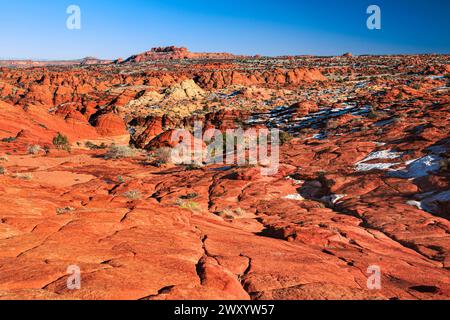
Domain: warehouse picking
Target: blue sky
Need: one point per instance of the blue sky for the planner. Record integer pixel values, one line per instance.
(117, 28)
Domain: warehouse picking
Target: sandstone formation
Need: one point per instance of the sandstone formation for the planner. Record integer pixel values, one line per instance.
(363, 179)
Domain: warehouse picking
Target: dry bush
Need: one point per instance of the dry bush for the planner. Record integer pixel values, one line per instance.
(133, 194)
(23, 176)
(35, 149)
(64, 210)
(120, 152)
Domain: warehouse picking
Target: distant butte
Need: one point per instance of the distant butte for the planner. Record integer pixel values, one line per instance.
(173, 53)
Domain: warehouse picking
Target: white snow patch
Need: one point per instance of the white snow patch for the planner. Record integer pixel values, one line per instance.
(418, 168)
(414, 203)
(380, 144)
(361, 167)
(332, 199)
(296, 197)
(385, 154)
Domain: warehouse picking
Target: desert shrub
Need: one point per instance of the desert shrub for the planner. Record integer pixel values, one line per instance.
(231, 214)
(23, 176)
(64, 210)
(121, 179)
(445, 164)
(4, 157)
(189, 196)
(285, 137)
(192, 167)
(162, 156)
(35, 149)
(2, 171)
(9, 139)
(133, 194)
(400, 96)
(119, 152)
(61, 142)
(333, 124)
(189, 205)
(375, 113)
(226, 214)
(93, 146)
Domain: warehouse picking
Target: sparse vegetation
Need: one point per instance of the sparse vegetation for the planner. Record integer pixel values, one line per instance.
(192, 167)
(64, 210)
(133, 194)
(375, 113)
(3, 171)
(188, 205)
(4, 158)
(445, 164)
(93, 146)
(61, 142)
(285, 137)
(162, 156)
(120, 152)
(35, 149)
(23, 176)
(9, 139)
(189, 196)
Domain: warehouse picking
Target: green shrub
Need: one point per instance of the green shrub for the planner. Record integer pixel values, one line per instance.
(189, 205)
(9, 139)
(61, 142)
(285, 137)
(93, 146)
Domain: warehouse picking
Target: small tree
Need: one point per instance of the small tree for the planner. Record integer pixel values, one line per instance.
(61, 142)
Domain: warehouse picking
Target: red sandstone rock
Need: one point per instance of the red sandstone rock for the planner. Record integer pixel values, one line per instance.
(110, 124)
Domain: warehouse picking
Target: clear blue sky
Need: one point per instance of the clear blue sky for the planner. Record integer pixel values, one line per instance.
(118, 28)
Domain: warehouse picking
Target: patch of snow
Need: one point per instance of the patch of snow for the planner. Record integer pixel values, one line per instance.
(298, 182)
(385, 154)
(361, 167)
(414, 203)
(332, 199)
(336, 197)
(295, 197)
(418, 168)
(320, 136)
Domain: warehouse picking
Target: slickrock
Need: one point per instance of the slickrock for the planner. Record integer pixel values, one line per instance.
(363, 179)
